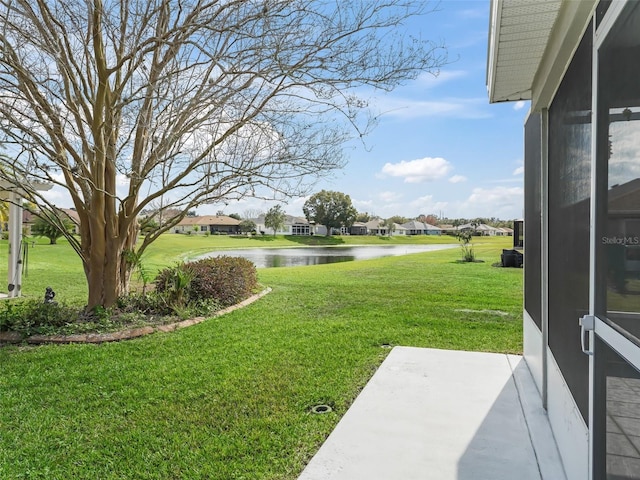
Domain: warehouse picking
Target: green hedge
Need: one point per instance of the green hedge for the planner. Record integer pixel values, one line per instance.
(228, 280)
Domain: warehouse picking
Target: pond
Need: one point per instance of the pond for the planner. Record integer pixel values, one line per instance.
(292, 257)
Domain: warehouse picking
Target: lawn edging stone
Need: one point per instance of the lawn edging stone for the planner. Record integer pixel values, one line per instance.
(15, 337)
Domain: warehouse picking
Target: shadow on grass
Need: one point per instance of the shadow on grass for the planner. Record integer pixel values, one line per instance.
(315, 239)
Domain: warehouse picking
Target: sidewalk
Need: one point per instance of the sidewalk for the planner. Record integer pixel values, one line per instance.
(442, 415)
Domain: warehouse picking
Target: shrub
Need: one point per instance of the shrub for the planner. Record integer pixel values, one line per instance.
(173, 285)
(151, 305)
(227, 280)
(198, 288)
(468, 254)
(144, 304)
(33, 316)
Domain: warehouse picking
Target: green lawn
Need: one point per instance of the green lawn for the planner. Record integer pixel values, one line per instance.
(59, 267)
(230, 398)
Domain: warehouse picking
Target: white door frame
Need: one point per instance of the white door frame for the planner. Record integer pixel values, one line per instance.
(596, 326)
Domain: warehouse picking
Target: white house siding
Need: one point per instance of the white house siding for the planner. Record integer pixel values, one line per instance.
(398, 230)
(292, 226)
(301, 229)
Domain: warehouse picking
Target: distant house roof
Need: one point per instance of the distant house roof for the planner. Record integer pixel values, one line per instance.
(288, 220)
(375, 224)
(209, 220)
(415, 225)
(27, 216)
(293, 220)
(479, 228)
(72, 214)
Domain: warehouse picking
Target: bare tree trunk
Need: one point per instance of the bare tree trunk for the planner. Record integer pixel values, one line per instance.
(108, 268)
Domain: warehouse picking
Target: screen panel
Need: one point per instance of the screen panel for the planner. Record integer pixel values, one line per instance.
(569, 220)
(532, 218)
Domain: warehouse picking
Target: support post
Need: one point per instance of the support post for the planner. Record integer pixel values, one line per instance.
(15, 241)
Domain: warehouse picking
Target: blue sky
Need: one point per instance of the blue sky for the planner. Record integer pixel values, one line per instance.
(442, 148)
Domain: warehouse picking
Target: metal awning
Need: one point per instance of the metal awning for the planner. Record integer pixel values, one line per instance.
(518, 36)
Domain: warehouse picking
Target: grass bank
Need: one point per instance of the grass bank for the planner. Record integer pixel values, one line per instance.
(230, 398)
(58, 265)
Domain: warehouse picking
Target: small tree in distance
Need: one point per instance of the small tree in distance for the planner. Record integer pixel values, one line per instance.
(363, 217)
(399, 219)
(464, 237)
(390, 225)
(51, 228)
(274, 218)
(247, 226)
(331, 209)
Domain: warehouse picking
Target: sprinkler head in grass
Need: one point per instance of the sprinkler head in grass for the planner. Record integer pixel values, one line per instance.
(321, 409)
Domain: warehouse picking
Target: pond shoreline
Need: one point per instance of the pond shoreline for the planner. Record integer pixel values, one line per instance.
(270, 257)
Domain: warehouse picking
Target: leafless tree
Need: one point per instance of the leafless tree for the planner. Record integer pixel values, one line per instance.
(252, 213)
(129, 104)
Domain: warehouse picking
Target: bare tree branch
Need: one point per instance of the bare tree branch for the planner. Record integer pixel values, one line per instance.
(124, 103)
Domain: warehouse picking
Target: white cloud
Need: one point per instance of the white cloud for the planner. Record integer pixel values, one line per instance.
(429, 80)
(389, 196)
(122, 180)
(420, 170)
(426, 205)
(362, 205)
(520, 167)
(490, 195)
(500, 201)
(426, 198)
(58, 196)
(297, 203)
(457, 179)
(519, 105)
(253, 205)
(409, 108)
(625, 148)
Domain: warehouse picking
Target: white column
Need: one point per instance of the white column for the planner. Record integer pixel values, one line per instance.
(15, 239)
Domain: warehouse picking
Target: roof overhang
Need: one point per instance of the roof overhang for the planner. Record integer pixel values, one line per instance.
(22, 186)
(531, 44)
(519, 33)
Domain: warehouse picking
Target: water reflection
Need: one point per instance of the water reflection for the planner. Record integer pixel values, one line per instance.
(292, 257)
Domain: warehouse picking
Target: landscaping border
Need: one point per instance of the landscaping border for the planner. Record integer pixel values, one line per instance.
(15, 337)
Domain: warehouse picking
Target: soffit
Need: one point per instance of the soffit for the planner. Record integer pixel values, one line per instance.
(518, 37)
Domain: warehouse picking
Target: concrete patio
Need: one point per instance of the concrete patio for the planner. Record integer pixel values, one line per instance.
(442, 415)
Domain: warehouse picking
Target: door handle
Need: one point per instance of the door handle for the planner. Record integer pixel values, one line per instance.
(587, 324)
